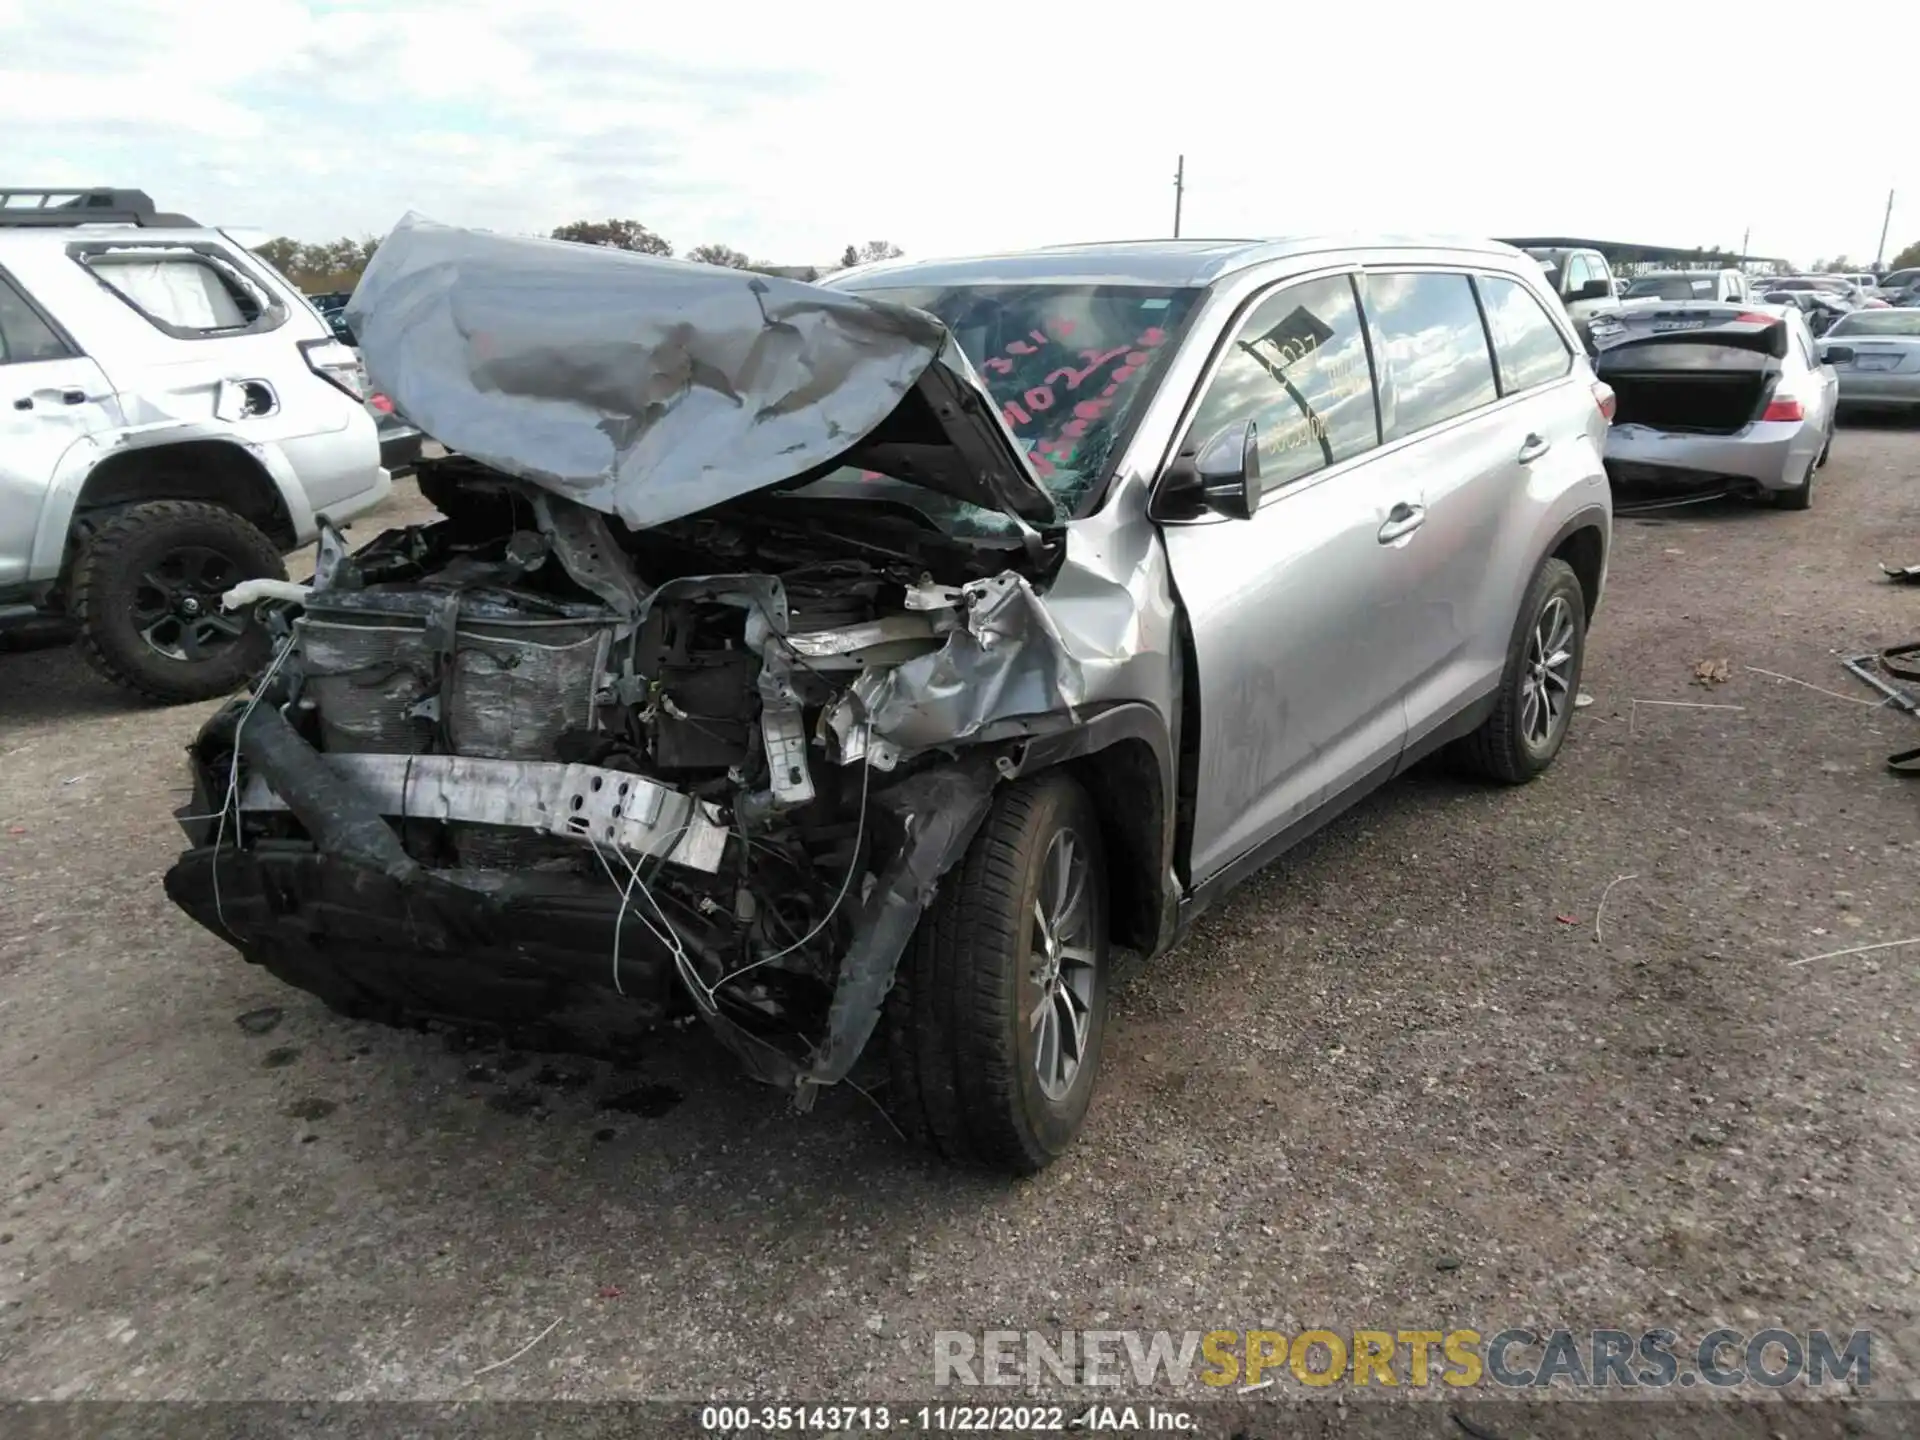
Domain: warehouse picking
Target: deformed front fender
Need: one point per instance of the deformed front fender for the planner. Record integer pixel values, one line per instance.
(936, 814)
(926, 822)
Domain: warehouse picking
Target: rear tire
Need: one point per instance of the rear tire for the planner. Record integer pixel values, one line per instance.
(1800, 497)
(989, 976)
(146, 594)
(1525, 731)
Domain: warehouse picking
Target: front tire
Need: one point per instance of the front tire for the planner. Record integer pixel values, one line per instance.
(997, 1018)
(1537, 688)
(146, 593)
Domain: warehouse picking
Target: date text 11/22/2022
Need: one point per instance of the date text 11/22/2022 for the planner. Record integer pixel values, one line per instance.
(741, 1420)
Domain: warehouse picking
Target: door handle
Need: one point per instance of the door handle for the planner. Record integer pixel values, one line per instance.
(1402, 520)
(25, 402)
(1533, 447)
(73, 397)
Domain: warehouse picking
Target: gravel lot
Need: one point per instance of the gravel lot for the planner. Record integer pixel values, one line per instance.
(1408, 1077)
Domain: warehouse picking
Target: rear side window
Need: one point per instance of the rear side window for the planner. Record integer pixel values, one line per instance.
(1527, 345)
(1297, 368)
(1431, 349)
(24, 335)
(188, 293)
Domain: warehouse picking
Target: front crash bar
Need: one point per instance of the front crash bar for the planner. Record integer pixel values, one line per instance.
(615, 808)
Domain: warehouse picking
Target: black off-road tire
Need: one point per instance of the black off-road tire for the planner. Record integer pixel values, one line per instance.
(1499, 749)
(959, 1045)
(107, 575)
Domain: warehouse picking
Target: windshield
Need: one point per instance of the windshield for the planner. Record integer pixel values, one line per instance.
(1070, 367)
(1672, 287)
(1878, 322)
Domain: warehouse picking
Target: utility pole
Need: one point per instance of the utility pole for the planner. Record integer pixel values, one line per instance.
(1179, 190)
(1880, 250)
(1744, 239)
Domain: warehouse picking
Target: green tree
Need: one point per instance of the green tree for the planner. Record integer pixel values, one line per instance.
(849, 257)
(724, 255)
(319, 268)
(282, 252)
(614, 235)
(1907, 258)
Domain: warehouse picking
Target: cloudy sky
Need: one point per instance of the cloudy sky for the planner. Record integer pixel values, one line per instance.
(788, 130)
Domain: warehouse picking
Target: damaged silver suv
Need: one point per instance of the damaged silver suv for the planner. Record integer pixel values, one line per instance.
(899, 654)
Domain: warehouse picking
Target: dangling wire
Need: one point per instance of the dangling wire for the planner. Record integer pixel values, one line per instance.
(671, 940)
(232, 799)
(846, 884)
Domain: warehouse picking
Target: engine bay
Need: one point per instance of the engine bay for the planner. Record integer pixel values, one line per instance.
(652, 765)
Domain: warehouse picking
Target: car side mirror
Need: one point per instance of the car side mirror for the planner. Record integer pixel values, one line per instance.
(1836, 355)
(1592, 290)
(1221, 477)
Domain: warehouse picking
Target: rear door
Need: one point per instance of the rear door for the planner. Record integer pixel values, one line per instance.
(1295, 624)
(1818, 389)
(1466, 454)
(51, 396)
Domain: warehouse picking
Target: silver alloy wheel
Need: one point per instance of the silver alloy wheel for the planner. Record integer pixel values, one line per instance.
(1060, 964)
(1546, 682)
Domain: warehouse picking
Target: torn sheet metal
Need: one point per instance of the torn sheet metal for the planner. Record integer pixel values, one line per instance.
(650, 388)
(928, 820)
(1008, 660)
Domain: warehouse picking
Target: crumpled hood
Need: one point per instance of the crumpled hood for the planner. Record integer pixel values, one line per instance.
(650, 389)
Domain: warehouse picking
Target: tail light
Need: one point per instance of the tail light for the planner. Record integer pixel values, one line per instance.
(1785, 408)
(1754, 317)
(1604, 398)
(338, 366)
(381, 403)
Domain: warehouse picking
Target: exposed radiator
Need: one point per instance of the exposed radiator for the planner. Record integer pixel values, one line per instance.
(514, 687)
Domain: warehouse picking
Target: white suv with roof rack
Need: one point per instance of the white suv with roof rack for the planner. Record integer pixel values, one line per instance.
(174, 417)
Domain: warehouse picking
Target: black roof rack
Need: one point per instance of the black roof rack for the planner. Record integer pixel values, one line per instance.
(98, 205)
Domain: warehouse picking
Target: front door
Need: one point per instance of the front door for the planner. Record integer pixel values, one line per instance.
(50, 398)
(1292, 612)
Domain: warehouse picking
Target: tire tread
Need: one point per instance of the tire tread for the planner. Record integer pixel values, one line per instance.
(955, 1083)
(100, 559)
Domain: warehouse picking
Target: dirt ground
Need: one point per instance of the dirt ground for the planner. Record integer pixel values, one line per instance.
(1412, 1076)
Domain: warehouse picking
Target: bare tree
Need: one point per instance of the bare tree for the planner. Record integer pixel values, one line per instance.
(849, 257)
(880, 250)
(614, 235)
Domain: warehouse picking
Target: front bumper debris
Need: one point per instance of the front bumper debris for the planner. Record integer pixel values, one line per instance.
(615, 808)
(549, 959)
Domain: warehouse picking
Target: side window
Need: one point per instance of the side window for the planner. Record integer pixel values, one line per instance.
(1298, 369)
(1597, 266)
(1577, 274)
(1430, 346)
(1528, 346)
(24, 336)
(184, 293)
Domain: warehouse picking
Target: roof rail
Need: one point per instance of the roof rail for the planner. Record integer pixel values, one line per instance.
(95, 205)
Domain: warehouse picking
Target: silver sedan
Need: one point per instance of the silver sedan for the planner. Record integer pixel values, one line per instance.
(1875, 354)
